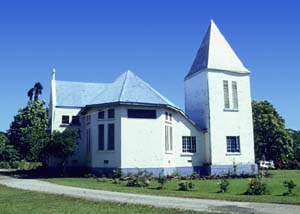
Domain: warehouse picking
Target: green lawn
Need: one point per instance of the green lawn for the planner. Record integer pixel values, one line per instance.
(13, 201)
(204, 188)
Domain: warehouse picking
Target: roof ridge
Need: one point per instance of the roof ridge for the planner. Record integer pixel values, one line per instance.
(123, 86)
(159, 95)
(92, 83)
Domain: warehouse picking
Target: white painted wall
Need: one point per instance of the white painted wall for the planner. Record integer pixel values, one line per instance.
(143, 141)
(230, 123)
(197, 105)
(57, 117)
(98, 157)
(205, 105)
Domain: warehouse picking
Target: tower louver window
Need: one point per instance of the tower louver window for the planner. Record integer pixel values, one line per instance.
(226, 94)
(235, 95)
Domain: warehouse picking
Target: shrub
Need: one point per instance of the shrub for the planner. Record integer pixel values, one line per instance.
(162, 180)
(256, 187)
(4, 165)
(90, 175)
(223, 185)
(140, 179)
(290, 185)
(20, 165)
(186, 186)
(195, 176)
(265, 173)
(117, 173)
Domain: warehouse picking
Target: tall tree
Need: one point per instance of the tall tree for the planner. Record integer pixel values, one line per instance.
(272, 140)
(28, 131)
(35, 92)
(296, 138)
(3, 142)
(38, 89)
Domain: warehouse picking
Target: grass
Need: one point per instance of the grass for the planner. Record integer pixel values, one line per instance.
(13, 201)
(204, 188)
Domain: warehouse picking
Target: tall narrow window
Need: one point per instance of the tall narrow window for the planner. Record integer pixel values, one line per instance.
(88, 140)
(235, 95)
(111, 137)
(226, 94)
(101, 137)
(171, 138)
(168, 138)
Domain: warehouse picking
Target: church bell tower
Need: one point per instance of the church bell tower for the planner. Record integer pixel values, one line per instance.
(218, 99)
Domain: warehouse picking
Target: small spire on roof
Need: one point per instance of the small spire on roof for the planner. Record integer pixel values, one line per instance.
(53, 74)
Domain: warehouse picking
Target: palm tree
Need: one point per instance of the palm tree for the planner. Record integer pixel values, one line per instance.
(35, 92)
(38, 88)
(30, 94)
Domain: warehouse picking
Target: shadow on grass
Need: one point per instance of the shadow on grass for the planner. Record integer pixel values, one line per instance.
(44, 172)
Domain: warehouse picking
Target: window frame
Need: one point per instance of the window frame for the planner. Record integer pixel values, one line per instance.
(101, 144)
(226, 94)
(111, 113)
(111, 137)
(235, 100)
(233, 147)
(168, 139)
(189, 144)
(141, 113)
(88, 139)
(102, 113)
(63, 120)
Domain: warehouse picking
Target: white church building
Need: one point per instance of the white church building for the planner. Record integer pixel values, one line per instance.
(128, 125)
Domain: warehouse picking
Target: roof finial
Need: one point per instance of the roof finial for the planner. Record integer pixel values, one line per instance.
(53, 74)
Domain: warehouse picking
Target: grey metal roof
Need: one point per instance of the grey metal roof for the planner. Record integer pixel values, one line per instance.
(127, 88)
(215, 53)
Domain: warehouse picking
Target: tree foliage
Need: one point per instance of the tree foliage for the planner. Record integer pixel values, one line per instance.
(35, 92)
(272, 140)
(296, 138)
(62, 144)
(28, 131)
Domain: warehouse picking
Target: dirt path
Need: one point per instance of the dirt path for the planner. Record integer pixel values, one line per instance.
(156, 201)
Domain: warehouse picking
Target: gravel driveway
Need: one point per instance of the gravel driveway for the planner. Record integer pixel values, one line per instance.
(156, 201)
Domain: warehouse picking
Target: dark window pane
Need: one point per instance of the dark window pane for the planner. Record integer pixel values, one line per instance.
(65, 119)
(101, 137)
(233, 144)
(189, 144)
(75, 120)
(101, 115)
(111, 137)
(142, 113)
(111, 113)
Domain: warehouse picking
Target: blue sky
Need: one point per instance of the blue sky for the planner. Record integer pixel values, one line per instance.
(95, 41)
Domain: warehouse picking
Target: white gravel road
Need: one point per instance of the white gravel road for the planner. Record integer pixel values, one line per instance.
(156, 201)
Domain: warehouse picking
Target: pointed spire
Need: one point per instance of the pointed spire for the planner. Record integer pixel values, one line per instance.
(215, 53)
(53, 74)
